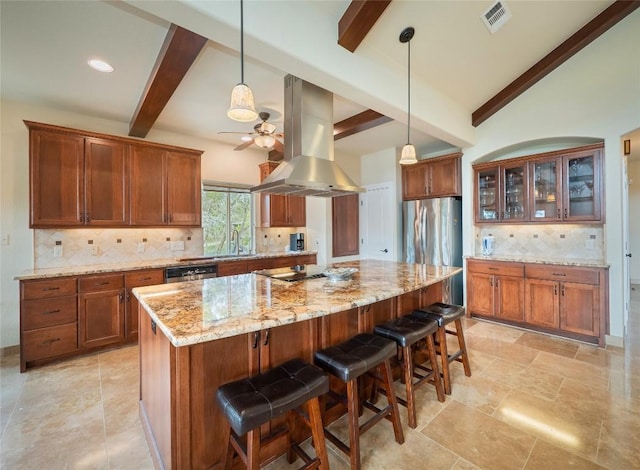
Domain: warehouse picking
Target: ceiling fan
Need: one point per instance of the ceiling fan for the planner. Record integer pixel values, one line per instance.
(264, 135)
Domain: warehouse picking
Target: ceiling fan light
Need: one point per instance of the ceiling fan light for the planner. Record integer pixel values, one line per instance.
(242, 106)
(264, 141)
(267, 127)
(408, 155)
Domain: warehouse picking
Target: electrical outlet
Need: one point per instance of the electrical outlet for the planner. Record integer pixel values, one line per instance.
(141, 247)
(177, 245)
(57, 251)
(94, 250)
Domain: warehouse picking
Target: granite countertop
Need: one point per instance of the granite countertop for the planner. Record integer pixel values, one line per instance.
(200, 311)
(591, 263)
(44, 273)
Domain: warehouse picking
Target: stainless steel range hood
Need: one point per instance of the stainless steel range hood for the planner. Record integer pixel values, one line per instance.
(308, 168)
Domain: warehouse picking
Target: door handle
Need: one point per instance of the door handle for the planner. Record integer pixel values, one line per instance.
(628, 255)
(385, 251)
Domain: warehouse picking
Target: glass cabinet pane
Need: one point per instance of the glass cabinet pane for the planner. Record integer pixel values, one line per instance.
(579, 193)
(515, 185)
(487, 194)
(545, 197)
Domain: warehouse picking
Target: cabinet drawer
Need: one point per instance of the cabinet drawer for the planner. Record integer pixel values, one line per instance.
(231, 268)
(144, 278)
(50, 312)
(100, 283)
(503, 268)
(303, 259)
(256, 264)
(49, 342)
(48, 288)
(563, 273)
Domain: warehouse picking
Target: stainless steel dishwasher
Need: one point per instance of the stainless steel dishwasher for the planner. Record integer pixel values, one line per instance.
(190, 273)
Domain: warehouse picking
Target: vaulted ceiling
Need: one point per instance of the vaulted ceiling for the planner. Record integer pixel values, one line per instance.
(457, 65)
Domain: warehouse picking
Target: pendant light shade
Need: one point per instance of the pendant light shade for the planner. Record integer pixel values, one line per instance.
(242, 106)
(408, 155)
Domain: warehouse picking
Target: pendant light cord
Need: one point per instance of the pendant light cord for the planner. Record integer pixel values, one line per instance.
(241, 42)
(408, 91)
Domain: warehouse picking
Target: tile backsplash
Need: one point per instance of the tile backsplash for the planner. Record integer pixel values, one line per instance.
(570, 241)
(79, 247)
(276, 239)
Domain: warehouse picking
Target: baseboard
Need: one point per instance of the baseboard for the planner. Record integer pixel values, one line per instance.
(10, 350)
(616, 341)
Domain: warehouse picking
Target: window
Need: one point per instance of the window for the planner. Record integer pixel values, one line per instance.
(227, 213)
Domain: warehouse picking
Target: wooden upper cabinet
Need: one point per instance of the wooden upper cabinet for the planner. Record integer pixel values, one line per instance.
(345, 225)
(558, 186)
(105, 183)
(56, 179)
(147, 186)
(434, 177)
(184, 189)
(278, 210)
(80, 178)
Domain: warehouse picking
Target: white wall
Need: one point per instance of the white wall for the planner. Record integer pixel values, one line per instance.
(219, 162)
(595, 94)
(634, 221)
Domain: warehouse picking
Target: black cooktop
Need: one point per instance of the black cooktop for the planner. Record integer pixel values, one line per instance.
(294, 273)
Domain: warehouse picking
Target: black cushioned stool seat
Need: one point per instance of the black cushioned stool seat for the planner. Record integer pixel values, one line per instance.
(362, 354)
(445, 314)
(248, 403)
(407, 332)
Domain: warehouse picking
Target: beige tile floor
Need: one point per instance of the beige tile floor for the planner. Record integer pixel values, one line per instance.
(533, 402)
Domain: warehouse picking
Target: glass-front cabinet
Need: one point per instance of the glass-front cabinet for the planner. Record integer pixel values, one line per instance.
(488, 200)
(558, 186)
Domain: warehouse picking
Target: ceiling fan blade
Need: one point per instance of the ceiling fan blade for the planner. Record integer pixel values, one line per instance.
(278, 146)
(232, 132)
(244, 145)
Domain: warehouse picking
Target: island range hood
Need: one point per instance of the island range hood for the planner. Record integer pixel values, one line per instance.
(308, 168)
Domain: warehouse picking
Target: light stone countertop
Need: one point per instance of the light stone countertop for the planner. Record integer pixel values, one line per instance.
(590, 263)
(200, 311)
(144, 264)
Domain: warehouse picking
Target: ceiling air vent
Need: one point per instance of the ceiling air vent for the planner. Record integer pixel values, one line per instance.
(496, 16)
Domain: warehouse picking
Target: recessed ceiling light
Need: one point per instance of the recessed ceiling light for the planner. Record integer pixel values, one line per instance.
(100, 65)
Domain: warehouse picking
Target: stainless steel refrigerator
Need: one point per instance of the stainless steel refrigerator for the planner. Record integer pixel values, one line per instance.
(433, 235)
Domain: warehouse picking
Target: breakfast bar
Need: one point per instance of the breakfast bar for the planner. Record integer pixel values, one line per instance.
(198, 335)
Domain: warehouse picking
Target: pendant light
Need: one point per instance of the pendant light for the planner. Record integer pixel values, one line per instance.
(242, 106)
(408, 155)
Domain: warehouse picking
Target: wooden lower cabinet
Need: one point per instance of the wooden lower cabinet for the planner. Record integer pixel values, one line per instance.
(569, 301)
(137, 279)
(100, 310)
(496, 289)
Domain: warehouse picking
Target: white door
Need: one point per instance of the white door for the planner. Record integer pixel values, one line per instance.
(378, 222)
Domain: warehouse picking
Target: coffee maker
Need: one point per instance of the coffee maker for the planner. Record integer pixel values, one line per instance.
(296, 241)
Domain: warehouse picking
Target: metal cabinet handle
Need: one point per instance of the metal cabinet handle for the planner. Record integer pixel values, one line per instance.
(555, 290)
(50, 340)
(51, 312)
(104, 283)
(87, 217)
(559, 216)
(256, 338)
(566, 213)
(560, 274)
(45, 289)
(266, 338)
(121, 296)
(562, 291)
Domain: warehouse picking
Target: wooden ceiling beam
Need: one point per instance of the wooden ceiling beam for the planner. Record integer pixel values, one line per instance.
(588, 33)
(178, 52)
(358, 20)
(358, 123)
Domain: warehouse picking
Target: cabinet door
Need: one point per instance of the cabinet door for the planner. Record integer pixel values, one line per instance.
(132, 280)
(487, 201)
(414, 181)
(509, 297)
(184, 189)
(480, 293)
(444, 178)
(582, 192)
(56, 162)
(105, 184)
(273, 210)
(147, 186)
(297, 211)
(100, 318)
(542, 303)
(514, 187)
(579, 311)
(545, 190)
(345, 225)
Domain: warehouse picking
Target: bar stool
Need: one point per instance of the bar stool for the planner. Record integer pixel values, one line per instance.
(360, 355)
(444, 314)
(249, 403)
(407, 332)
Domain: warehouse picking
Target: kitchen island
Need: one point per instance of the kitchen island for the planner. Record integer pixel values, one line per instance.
(195, 336)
